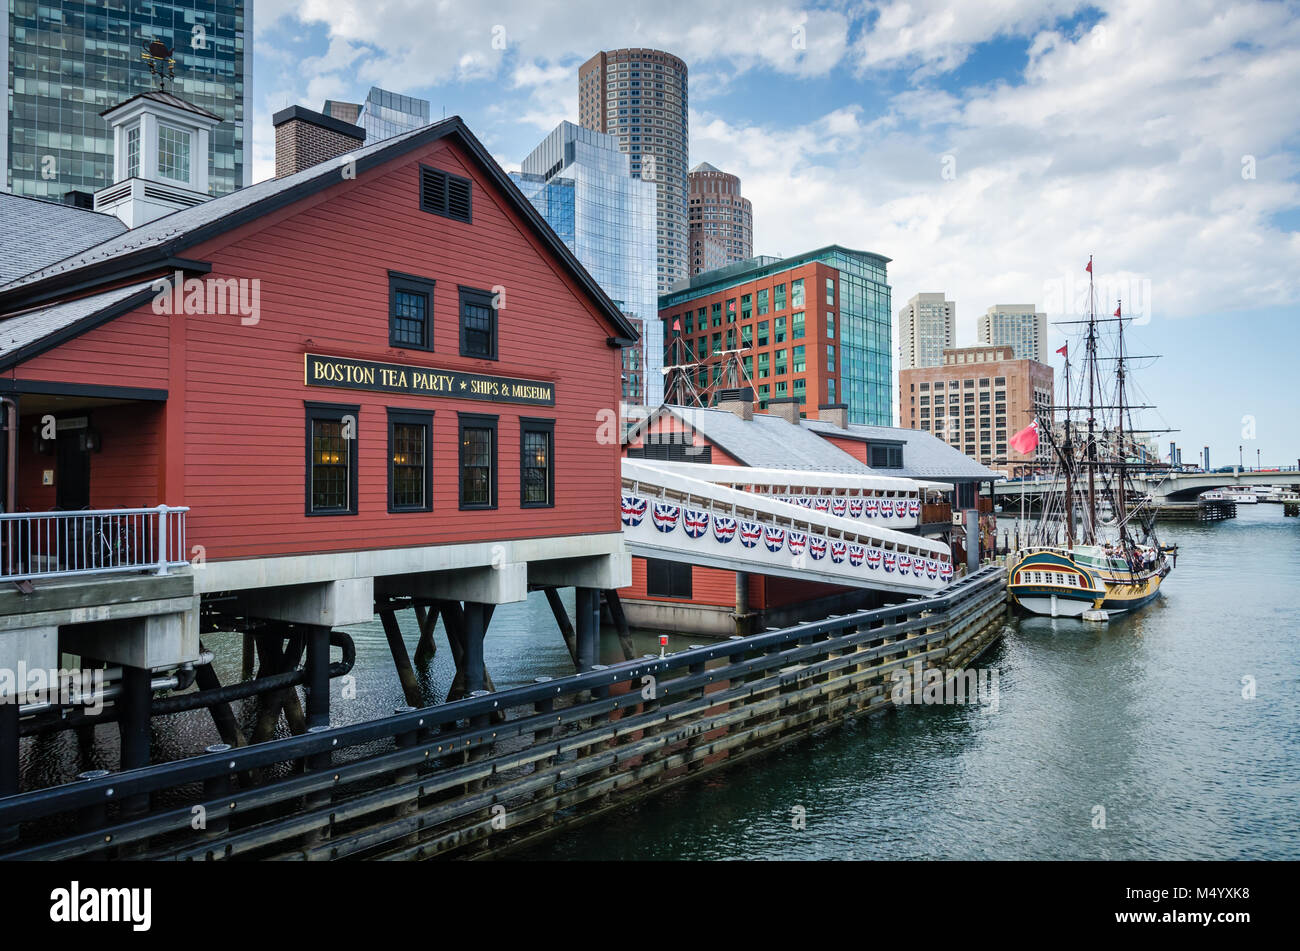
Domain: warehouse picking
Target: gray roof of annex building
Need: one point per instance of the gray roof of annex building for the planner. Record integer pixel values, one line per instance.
(925, 456)
(21, 333)
(35, 233)
(768, 442)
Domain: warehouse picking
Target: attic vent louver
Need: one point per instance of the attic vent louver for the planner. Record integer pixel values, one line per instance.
(443, 194)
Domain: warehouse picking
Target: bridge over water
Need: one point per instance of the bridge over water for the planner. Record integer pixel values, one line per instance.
(1166, 486)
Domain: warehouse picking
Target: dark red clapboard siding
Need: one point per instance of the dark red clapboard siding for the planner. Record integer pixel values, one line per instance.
(323, 265)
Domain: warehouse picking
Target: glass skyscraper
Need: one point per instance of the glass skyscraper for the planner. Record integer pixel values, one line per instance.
(67, 61)
(583, 186)
(385, 114)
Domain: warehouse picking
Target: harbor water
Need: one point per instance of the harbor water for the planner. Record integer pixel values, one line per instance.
(1171, 734)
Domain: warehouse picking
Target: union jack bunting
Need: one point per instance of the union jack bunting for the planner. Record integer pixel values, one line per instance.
(724, 528)
(798, 541)
(665, 516)
(900, 508)
(945, 570)
(822, 505)
(904, 564)
(873, 559)
(855, 555)
(838, 550)
(817, 548)
(891, 561)
(914, 507)
(695, 523)
(750, 533)
(886, 508)
(855, 508)
(774, 538)
(839, 506)
(805, 502)
(634, 510)
(932, 568)
(873, 507)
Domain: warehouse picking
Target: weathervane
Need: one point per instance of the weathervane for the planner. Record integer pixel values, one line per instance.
(157, 55)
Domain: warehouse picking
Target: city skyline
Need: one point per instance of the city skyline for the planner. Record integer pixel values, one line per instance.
(985, 115)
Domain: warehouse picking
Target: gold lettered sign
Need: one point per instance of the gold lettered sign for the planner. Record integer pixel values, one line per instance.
(348, 374)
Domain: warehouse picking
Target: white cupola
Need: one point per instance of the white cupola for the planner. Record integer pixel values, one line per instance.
(160, 157)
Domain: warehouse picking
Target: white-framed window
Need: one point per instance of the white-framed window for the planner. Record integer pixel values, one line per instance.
(173, 153)
(133, 151)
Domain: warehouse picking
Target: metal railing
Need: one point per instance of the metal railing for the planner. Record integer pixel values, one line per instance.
(36, 545)
(425, 781)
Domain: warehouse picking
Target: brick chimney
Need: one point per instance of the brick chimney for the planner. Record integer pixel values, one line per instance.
(304, 138)
(739, 401)
(837, 414)
(787, 407)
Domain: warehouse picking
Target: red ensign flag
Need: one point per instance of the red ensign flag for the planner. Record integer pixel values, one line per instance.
(1026, 441)
(677, 325)
(1089, 267)
(1117, 311)
(1064, 351)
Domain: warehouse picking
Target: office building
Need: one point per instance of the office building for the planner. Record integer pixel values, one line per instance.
(640, 96)
(383, 115)
(975, 399)
(926, 326)
(67, 61)
(721, 221)
(583, 186)
(1017, 326)
(812, 327)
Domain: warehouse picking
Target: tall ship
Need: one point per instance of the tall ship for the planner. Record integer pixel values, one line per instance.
(1093, 551)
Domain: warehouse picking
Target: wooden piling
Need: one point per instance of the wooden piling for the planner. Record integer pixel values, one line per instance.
(562, 621)
(402, 660)
(223, 718)
(615, 605)
(427, 648)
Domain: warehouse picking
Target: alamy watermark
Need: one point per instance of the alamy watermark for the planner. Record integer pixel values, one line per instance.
(61, 686)
(938, 685)
(209, 296)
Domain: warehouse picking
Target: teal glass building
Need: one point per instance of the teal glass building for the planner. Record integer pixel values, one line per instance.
(67, 61)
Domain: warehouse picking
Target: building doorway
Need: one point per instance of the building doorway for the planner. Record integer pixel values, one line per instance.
(71, 470)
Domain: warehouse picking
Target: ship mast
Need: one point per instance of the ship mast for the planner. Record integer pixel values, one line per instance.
(1067, 457)
(1090, 366)
(1121, 482)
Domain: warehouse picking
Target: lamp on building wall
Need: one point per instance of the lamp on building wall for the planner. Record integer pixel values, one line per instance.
(91, 441)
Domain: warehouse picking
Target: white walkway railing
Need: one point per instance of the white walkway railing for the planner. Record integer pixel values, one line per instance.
(671, 515)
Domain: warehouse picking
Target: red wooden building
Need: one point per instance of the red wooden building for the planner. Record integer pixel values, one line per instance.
(380, 376)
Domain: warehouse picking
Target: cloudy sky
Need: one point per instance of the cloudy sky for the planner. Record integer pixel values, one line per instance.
(987, 148)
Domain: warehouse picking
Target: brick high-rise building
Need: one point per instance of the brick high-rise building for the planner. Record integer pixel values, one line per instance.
(812, 327)
(926, 325)
(640, 96)
(720, 219)
(976, 399)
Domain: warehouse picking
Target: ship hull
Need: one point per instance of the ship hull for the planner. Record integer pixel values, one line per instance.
(1052, 584)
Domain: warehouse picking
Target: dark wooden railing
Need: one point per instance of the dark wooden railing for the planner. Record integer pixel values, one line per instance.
(501, 769)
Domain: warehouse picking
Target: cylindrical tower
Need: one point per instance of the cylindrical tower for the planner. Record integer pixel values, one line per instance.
(640, 96)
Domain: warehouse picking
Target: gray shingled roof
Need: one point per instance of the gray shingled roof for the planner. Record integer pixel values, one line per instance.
(925, 456)
(162, 230)
(768, 442)
(26, 329)
(35, 233)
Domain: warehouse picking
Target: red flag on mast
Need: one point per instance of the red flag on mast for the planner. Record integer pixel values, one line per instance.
(677, 325)
(1089, 267)
(1065, 351)
(1025, 441)
(1117, 310)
